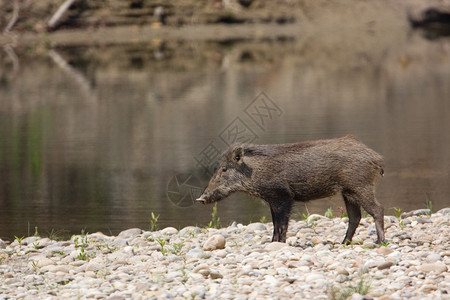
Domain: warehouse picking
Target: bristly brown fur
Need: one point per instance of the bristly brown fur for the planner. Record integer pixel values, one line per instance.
(283, 173)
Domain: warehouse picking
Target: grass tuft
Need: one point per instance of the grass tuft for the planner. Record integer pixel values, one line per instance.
(154, 222)
(215, 220)
(342, 292)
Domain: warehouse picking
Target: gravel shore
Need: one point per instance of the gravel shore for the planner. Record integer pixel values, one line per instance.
(237, 262)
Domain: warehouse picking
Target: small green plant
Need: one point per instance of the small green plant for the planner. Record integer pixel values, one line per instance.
(351, 244)
(402, 225)
(82, 242)
(177, 248)
(385, 243)
(307, 214)
(36, 232)
(398, 212)
(263, 219)
(344, 292)
(162, 243)
(36, 245)
(35, 266)
(154, 222)
(83, 255)
(429, 204)
(111, 249)
(215, 220)
(329, 213)
(19, 239)
(363, 287)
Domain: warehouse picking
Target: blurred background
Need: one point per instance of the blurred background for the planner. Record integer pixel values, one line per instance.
(106, 119)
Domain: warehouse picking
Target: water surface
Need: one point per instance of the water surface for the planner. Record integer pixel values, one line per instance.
(97, 138)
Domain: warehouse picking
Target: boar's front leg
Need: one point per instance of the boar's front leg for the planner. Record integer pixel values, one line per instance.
(280, 219)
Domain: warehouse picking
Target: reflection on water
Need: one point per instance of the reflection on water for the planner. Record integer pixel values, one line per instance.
(98, 138)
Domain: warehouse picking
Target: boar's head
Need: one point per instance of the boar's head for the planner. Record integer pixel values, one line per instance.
(230, 175)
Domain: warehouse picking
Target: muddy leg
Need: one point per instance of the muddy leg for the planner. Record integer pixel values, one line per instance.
(280, 218)
(367, 200)
(354, 216)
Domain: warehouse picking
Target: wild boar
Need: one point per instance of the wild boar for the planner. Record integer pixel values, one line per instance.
(283, 173)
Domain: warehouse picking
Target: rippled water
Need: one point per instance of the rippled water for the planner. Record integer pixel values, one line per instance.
(98, 138)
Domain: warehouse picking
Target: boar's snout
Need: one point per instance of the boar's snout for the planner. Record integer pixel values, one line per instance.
(207, 197)
(202, 199)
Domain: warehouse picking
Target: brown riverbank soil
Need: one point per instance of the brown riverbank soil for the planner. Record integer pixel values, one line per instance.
(85, 14)
(116, 21)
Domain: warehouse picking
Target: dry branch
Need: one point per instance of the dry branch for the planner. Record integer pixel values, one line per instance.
(59, 13)
(14, 18)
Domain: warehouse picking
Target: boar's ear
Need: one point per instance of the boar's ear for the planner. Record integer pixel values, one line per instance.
(216, 167)
(238, 153)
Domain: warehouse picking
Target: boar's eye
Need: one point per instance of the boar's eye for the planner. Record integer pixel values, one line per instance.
(224, 169)
(237, 157)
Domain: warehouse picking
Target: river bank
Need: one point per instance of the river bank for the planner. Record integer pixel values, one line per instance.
(237, 262)
(27, 24)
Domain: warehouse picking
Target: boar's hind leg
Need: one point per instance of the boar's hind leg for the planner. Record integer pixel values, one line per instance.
(280, 219)
(366, 198)
(377, 212)
(354, 216)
